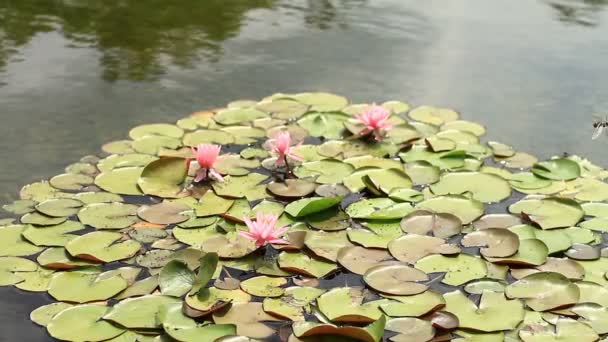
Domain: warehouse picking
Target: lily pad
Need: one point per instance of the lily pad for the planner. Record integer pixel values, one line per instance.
(311, 205)
(59, 207)
(304, 264)
(459, 269)
(13, 244)
(86, 285)
(164, 177)
(141, 312)
(422, 222)
(495, 312)
(102, 247)
(557, 169)
(164, 213)
(358, 259)
(433, 115)
(544, 291)
(369, 333)
(549, 212)
(396, 279)
(82, 323)
(378, 209)
(482, 186)
(327, 171)
(466, 209)
(292, 188)
(411, 248)
(495, 242)
(264, 286)
(345, 304)
(121, 181)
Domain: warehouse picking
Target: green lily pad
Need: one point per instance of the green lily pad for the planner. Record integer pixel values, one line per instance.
(327, 124)
(13, 244)
(165, 213)
(115, 162)
(378, 209)
(544, 291)
(164, 177)
(121, 181)
(501, 150)
(41, 219)
(292, 188)
(208, 136)
(175, 279)
(411, 248)
(327, 171)
(383, 182)
(20, 207)
(322, 102)
(238, 116)
(413, 306)
(83, 323)
(293, 304)
(85, 286)
(44, 314)
(549, 212)
(165, 130)
(118, 147)
(557, 169)
(71, 181)
(102, 247)
(243, 186)
(139, 288)
(10, 265)
(141, 312)
(586, 189)
(59, 207)
(495, 242)
(40, 192)
(495, 312)
(283, 108)
(396, 279)
(182, 328)
(345, 305)
(369, 333)
(264, 286)
(422, 172)
(531, 252)
(358, 259)
(422, 222)
(248, 318)
(152, 144)
(311, 205)
(566, 329)
(482, 186)
(108, 215)
(97, 197)
(304, 264)
(213, 299)
(326, 245)
(466, 209)
(433, 115)
(519, 160)
(459, 269)
(52, 235)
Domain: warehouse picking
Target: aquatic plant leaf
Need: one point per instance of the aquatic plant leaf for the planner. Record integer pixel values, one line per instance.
(264, 286)
(327, 171)
(549, 213)
(164, 177)
(466, 209)
(141, 312)
(175, 279)
(165, 130)
(83, 323)
(369, 333)
(87, 285)
(482, 186)
(494, 313)
(304, 264)
(345, 305)
(433, 115)
(122, 181)
(293, 304)
(358, 259)
(12, 242)
(557, 169)
(411, 248)
(311, 205)
(544, 291)
(45, 313)
(378, 209)
(459, 269)
(182, 328)
(102, 246)
(396, 279)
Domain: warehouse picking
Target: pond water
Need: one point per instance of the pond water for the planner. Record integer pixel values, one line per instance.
(75, 73)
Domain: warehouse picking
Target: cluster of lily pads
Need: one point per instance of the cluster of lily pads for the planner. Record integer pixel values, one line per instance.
(424, 234)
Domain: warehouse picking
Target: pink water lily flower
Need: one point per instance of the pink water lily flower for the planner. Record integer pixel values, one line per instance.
(206, 156)
(281, 146)
(263, 230)
(375, 119)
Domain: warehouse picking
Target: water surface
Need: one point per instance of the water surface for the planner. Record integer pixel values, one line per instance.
(77, 73)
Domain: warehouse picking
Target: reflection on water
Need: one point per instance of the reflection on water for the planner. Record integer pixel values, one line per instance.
(136, 39)
(579, 12)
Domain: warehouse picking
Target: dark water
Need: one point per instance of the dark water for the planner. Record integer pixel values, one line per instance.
(77, 73)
